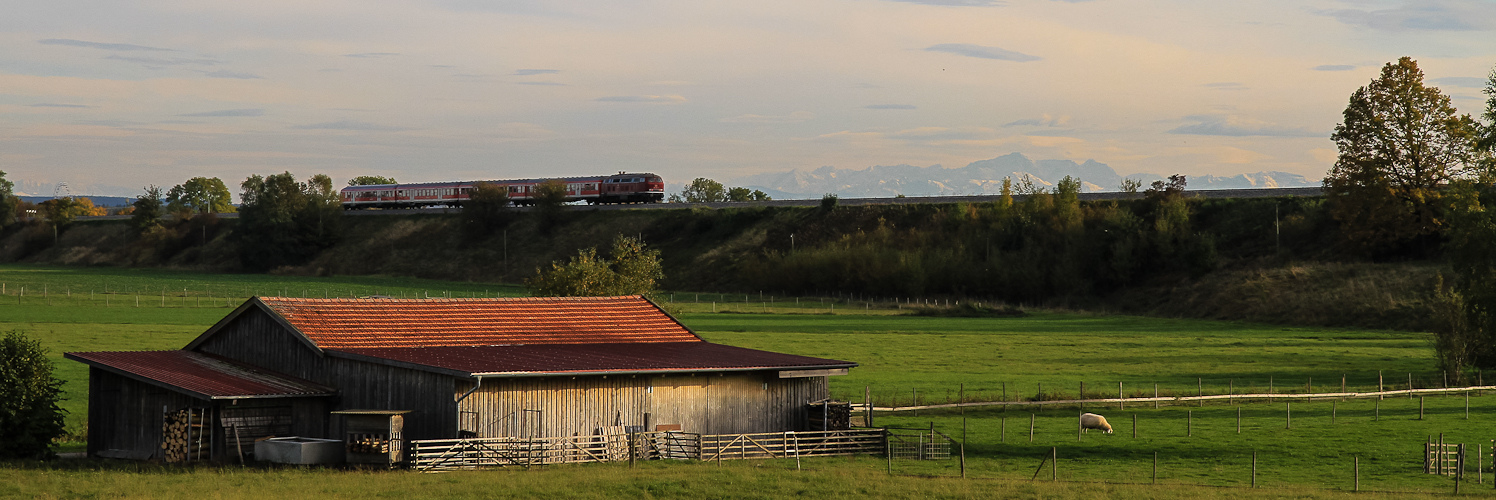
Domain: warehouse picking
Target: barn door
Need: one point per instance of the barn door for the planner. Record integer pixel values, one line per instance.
(679, 401)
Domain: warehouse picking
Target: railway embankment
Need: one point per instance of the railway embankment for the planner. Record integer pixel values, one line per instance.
(1258, 259)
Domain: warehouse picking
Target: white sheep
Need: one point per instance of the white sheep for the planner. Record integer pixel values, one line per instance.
(1090, 421)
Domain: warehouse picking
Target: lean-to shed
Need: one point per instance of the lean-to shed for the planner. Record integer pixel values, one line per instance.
(526, 367)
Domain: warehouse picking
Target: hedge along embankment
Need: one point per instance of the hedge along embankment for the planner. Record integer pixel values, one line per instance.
(1264, 259)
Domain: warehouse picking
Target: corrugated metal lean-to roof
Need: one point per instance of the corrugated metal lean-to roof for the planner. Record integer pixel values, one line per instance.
(203, 375)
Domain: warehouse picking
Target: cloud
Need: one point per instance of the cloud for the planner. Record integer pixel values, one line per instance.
(641, 98)
(544, 84)
(1423, 15)
(979, 51)
(890, 106)
(1225, 86)
(350, 125)
(161, 61)
(528, 72)
(1045, 120)
(957, 3)
(223, 73)
(1461, 81)
(370, 55)
(1234, 126)
(1334, 67)
(56, 105)
(98, 45)
(229, 112)
(796, 117)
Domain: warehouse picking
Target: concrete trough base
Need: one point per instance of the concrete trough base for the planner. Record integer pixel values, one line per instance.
(300, 451)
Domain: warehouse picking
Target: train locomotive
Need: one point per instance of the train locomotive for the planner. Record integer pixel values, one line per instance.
(622, 187)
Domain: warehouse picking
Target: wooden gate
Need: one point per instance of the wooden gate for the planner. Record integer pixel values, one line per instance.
(1442, 458)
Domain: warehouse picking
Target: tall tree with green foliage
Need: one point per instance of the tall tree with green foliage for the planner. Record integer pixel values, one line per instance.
(62, 211)
(704, 190)
(200, 195)
(149, 208)
(486, 210)
(1467, 302)
(8, 201)
(370, 180)
(283, 222)
(30, 418)
(1399, 141)
(629, 269)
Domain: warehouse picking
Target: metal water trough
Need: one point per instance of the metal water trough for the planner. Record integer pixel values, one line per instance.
(299, 451)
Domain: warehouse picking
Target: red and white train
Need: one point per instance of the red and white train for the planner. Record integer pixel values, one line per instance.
(620, 188)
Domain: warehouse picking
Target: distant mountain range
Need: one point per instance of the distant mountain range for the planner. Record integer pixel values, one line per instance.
(980, 177)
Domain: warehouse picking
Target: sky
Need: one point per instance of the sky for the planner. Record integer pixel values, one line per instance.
(112, 96)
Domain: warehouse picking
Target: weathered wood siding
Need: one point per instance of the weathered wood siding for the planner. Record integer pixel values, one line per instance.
(257, 339)
(705, 403)
(125, 417)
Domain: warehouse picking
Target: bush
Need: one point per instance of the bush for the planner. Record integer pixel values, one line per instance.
(632, 270)
(29, 416)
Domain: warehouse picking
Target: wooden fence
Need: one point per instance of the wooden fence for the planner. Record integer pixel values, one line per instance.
(1183, 399)
(453, 454)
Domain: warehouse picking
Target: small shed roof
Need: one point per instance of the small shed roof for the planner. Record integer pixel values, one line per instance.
(588, 359)
(201, 375)
(384, 322)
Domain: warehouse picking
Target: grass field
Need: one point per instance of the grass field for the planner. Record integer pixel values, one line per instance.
(933, 359)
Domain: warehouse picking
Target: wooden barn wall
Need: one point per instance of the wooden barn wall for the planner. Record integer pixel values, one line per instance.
(705, 403)
(124, 416)
(258, 339)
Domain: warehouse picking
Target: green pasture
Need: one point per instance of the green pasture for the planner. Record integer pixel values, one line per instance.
(903, 359)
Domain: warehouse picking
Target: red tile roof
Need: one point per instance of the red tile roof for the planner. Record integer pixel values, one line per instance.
(371, 323)
(562, 359)
(204, 375)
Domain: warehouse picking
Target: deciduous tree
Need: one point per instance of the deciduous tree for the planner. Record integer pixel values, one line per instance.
(148, 209)
(201, 195)
(486, 210)
(284, 222)
(9, 204)
(1399, 141)
(370, 180)
(631, 269)
(704, 190)
(29, 416)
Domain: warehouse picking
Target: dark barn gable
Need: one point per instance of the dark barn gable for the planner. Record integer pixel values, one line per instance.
(527, 367)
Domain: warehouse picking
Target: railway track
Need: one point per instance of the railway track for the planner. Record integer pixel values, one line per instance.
(1204, 193)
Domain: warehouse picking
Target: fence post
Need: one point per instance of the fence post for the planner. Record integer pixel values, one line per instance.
(1134, 426)
(1238, 420)
(1120, 403)
(633, 448)
(888, 449)
(1031, 427)
(1380, 396)
(1420, 407)
(1357, 486)
(1254, 469)
(1189, 423)
(1004, 431)
(1334, 409)
(1410, 386)
(1467, 406)
(1200, 389)
(1155, 467)
(1288, 413)
(1155, 395)
(1080, 424)
(1377, 417)
(1054, 464)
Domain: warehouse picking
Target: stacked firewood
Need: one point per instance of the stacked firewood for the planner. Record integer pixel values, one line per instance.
(830, 416)
(181, 434)
(368, 443)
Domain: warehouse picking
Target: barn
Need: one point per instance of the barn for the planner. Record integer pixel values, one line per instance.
(439, 369)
